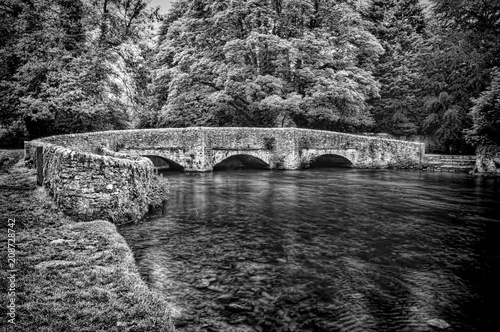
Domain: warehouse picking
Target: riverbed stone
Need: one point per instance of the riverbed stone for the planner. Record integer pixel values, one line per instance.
(438, 323)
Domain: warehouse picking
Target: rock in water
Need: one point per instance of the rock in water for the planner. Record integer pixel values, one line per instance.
(439, 323)
(239, 307)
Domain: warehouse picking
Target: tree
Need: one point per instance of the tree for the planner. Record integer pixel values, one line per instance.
(400, 26)
(485, 115)
(73, 65)
(265, 63)
(456, 62)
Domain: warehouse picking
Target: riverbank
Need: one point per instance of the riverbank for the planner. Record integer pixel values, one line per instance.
(69, 275)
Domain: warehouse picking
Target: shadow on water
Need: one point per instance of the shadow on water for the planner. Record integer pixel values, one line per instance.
(331, 161)
(162, 164)
(325, 250)
(240, 162)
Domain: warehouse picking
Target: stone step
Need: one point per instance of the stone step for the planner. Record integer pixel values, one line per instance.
(448, 169)
(450, 160)
(458, 163)
(452, 157)
(449, 163)
(457, 166)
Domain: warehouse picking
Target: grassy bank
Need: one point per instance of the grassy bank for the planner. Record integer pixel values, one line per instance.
(70, 276)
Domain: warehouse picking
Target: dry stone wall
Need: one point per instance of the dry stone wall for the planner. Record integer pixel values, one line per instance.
(91, 186)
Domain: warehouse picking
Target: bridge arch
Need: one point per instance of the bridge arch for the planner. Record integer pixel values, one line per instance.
(232, 161)
(164, 164)
(327, 158)
(330, 160)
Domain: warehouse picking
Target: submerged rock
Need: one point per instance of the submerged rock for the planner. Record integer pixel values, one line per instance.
(239, 307)
(439, 323)
(258, 278)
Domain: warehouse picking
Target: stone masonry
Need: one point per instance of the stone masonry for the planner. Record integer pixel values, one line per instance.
(200, 149)
(91, 186)
(104, 174)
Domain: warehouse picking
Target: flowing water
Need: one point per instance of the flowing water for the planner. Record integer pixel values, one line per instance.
(326, 250)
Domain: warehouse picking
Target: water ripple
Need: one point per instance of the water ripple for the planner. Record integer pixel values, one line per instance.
(325, 250)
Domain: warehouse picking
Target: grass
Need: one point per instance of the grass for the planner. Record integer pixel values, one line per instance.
(71, 276)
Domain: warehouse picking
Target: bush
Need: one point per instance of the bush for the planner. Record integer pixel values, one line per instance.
(485, 115)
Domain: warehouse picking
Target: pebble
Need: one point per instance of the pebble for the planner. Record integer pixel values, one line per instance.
(226, 297)
(257, 278)
(203, 283)
(238, 307)
(244, 294)
(356, 295)
(216, 289)
(238, 320)
(439, 323)
(60, 241)
(268, 296)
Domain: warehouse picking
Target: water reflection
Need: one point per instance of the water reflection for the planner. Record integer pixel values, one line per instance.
(325, 250)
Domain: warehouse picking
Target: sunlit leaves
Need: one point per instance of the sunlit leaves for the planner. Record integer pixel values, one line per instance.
(260, 62)
(74, 65)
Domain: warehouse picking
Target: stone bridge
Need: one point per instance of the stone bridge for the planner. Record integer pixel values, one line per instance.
(202, 149)
(106, 174)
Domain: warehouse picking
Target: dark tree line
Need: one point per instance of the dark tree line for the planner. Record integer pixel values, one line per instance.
(71, 65)
(396, 66)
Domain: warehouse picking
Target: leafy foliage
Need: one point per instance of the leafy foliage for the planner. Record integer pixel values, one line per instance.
(265, 63)
(67, 65)
(84, 65)
(457, 59)
(400, 26)
(485, 115)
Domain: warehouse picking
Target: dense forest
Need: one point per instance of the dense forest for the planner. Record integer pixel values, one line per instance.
(402, 67)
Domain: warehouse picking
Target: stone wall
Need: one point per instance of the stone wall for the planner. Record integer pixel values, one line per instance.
(91, 186)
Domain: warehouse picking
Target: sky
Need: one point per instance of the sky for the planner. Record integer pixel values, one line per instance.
(164, 5)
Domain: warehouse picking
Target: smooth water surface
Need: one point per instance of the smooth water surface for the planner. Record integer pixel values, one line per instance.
(326, 250)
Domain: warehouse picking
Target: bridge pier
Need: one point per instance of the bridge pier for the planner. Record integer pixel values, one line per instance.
(291, 161)
(198, 159)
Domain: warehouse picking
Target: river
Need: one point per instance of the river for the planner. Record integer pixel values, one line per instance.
(325, 250)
